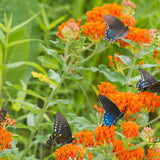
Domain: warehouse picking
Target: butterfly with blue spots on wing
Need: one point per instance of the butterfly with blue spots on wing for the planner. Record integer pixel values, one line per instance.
(147, 82)
(62, 132)
(113, 114)
(116, 28)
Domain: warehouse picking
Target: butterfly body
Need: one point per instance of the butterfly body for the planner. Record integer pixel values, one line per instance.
(62, 132)
(113, 114)
(3, 112)
(116, 28)
(147, 82)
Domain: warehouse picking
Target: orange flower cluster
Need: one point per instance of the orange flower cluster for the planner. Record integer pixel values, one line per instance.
(5, 138)
(84, 137)
(135, 102)
(153, 155)
(130, 129)
(104, 134)
(69, 151)
(95, 27)
(123, 154)
(69, 29)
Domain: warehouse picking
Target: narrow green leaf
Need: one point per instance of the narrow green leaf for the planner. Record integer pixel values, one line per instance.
(3, 27)
(17, 64)
(21, 41)
(132, 43)
(22, 24)
(29, 91)
(47, 62)
(56, 22)
(45, 18)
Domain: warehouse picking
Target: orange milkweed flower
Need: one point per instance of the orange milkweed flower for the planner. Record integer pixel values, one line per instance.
(69, 29)
(104, 134)
(111, 60)
(90, 156)
(69, 151)
(136, 154)
(5, 138)
(140, 36)
(130, 129)
(135, 102)
(94, 30)
(95, 27)
(118, 146)
(84, 137)
(153, 155)
(99, 109)
(127, 19)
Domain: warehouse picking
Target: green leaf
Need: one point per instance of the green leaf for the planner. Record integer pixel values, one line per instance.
(54, 75)
(48, 62)
(122, 51)
(21, 41)
(81, 122)
(112, 76)
(101, 45)
(54, 54)
(143, 119)
(146, 51)
(18, 64)
(30, 119)
(132, 43)
(29, 91)
(126, 60)
(63, 101)
(56, 22)
(58, 44)
(22, 24)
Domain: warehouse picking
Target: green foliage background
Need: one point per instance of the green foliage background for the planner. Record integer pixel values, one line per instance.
(78, 92)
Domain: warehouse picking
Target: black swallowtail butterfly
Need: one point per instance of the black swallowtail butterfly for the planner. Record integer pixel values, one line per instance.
(116, 28)
(62, 132)
(147, 82)
(3, 112)
(113, 114)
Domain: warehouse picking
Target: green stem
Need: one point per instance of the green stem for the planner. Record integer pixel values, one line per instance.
(152, 121)
(130, 72)
(45, 106)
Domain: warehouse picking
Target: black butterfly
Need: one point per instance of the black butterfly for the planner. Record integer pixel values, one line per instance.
(116, 28)
(113, 114)
(147, 82)
(62, 132)
(3, 112)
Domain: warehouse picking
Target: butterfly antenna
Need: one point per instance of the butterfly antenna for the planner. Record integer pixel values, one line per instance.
(131, 85)
(4, 104)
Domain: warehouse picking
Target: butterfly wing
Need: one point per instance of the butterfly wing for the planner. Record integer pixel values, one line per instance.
(112, 111)
(116, 28)
(3, 112)
(146, 81)
(62, 132)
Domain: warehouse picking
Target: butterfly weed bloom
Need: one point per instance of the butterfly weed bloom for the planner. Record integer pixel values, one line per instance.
(69, 30)
(85, 138)
(95, 27)
(135, 102)
(130, 129)
(69, 151)
(153, 154)
(105, 134)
